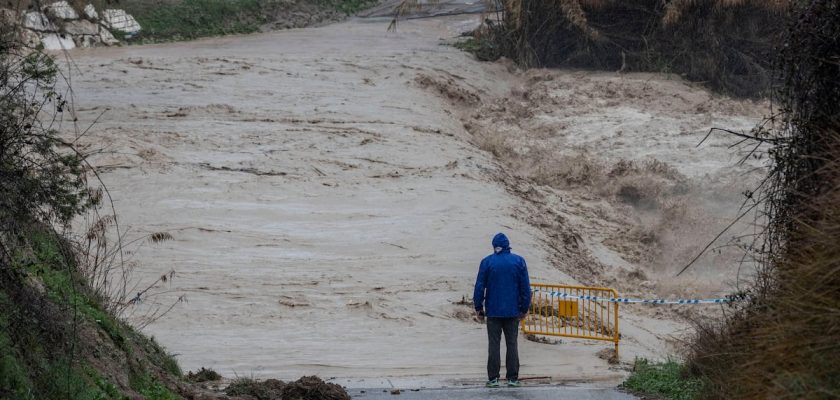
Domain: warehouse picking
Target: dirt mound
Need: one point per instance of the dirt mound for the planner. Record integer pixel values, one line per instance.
(305, 388)
(313, 388)
(203, 375)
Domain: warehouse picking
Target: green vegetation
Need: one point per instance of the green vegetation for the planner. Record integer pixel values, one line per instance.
(14, 379)
(59, 335)
(66, 287)
(349, 7)
(669, 380)
(150, 387)
(30, 368)
(471, 45)
(190, 19)
(41, 357)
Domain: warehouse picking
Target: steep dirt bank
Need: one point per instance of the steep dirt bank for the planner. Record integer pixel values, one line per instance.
(329, 209)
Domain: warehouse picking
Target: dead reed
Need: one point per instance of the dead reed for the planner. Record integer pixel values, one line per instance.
(783, 342)
(730, 45)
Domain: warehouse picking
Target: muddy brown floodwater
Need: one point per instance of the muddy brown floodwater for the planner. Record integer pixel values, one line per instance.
(328, 208)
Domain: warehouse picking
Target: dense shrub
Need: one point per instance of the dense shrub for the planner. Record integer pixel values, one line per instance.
(728, 45)
(783, 343)
(42, 178)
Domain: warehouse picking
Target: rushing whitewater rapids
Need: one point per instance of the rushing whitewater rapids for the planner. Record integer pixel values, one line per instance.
(329, 204)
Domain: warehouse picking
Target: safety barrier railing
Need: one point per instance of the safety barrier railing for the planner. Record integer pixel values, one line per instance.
(573, 311)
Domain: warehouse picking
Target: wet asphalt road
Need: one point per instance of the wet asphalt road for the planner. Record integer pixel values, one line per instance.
(543, 392)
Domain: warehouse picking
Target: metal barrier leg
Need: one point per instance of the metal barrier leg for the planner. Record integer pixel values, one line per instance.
(617, 335)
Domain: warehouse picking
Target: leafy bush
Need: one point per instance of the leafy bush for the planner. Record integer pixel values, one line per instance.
(56, 312)
(669, 379)
(42, 178)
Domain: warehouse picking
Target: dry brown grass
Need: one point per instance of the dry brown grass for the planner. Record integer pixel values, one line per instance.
(677, 9)
(783, 343)
(727, 44)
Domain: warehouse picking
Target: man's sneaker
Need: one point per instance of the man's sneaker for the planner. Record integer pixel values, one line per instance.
(514, 383)
(493, 383)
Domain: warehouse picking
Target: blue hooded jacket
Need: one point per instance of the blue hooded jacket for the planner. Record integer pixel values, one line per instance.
(502, 288)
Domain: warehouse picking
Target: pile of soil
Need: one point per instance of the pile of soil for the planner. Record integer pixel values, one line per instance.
(305, 388)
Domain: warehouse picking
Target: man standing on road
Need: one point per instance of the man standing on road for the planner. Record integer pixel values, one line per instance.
(503, 295)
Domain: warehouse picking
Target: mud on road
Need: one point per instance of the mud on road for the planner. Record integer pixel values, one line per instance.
(331, 190)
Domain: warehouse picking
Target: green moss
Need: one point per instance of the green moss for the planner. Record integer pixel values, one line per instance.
(668, 379)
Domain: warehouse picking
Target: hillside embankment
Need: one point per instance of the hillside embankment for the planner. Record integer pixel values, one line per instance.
(65, 25)
(330, 191)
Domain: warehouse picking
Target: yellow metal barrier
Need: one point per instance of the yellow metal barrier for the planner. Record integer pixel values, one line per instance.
(573, 315)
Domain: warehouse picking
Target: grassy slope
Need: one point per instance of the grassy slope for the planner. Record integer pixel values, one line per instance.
(189, 19)
(57, 342)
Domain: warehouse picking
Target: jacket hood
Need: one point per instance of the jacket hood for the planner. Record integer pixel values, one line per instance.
(500, 243)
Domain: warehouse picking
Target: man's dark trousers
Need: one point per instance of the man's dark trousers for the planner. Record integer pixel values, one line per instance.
(495, 327)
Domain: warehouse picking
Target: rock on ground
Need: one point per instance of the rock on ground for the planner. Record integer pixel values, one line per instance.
(61, 10)
(38, 21)
(81, 27)
(90, 12)
(120, 20)
(57, 41)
